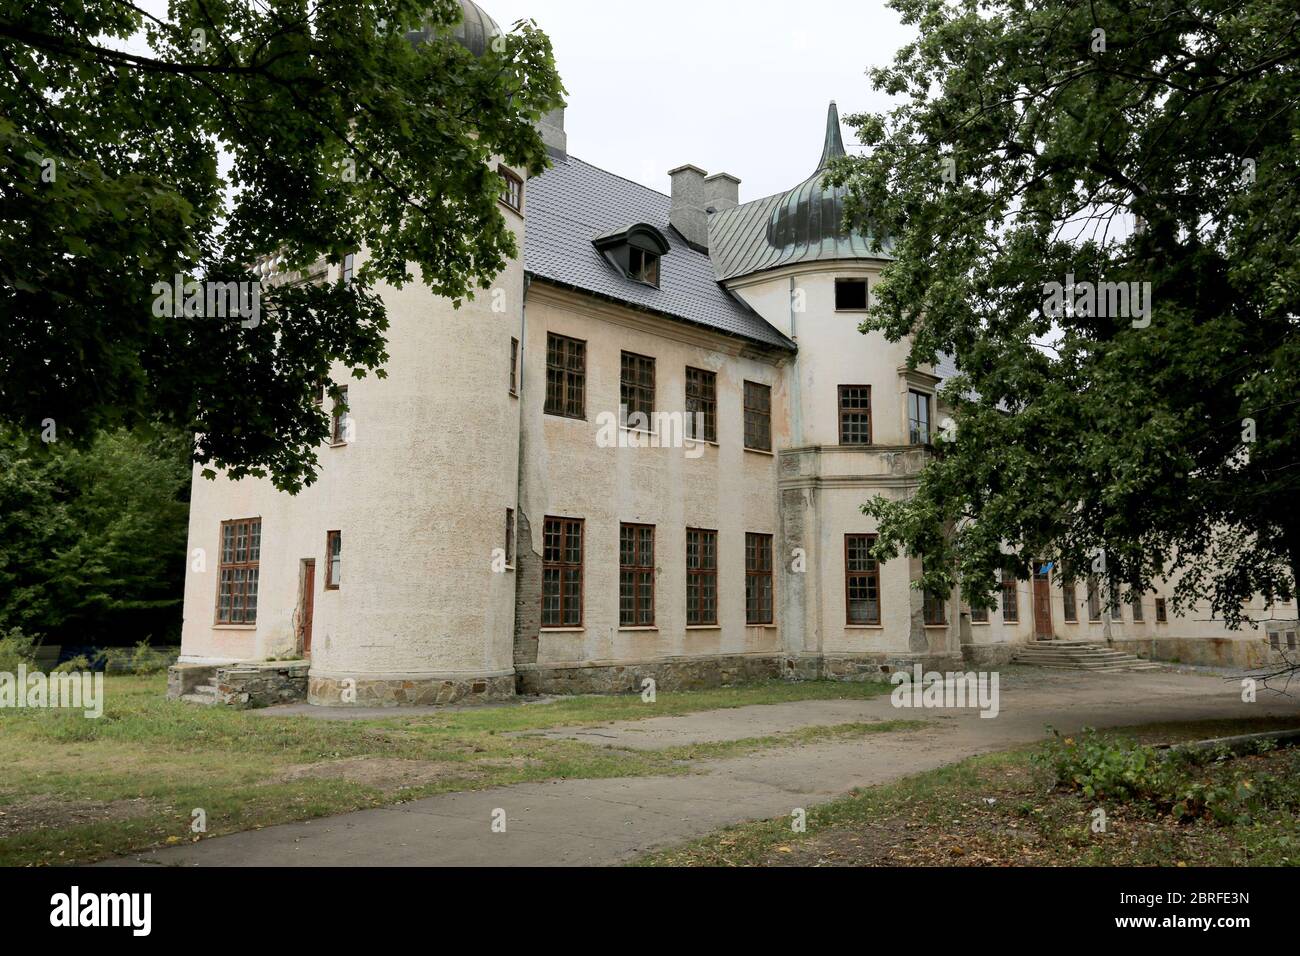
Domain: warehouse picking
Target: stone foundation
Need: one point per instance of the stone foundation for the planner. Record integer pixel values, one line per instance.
(1211, 651)
(987, 657)
(417, 692)
(185, 679)
(249, 686)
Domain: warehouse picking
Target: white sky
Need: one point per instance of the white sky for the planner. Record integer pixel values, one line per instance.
(738, 87)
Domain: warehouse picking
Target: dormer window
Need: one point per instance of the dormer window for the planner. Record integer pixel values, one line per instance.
(635, 251)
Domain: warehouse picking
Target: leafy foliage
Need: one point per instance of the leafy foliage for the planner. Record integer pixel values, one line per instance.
(247, 129)
(92, 540)
(1155, 143)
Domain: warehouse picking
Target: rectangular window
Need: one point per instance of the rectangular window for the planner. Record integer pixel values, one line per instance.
(562, 572)
(348, 269)
(979, 615)
(936, 609)
(333, 560)
(341, 427)
(514, 366)
(566, 377)
(510, 537)
(514, 189)
(758, 416)
(241, 552)
(1137, 606)
(758, 579)
(861, 579)
(918, 418)
(1112, 592)
(1094, 599)
(855, 414)
(637, 390)
(850, 295)
(1070, 600)
(701, 577)
(1162, 611)
(701, 404)
(1010, 598)
(643, 266)
(636, 575)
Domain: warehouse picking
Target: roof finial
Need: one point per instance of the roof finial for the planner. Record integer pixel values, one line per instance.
(834, 147)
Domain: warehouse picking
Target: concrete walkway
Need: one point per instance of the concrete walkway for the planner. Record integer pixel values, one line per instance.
(597, 822)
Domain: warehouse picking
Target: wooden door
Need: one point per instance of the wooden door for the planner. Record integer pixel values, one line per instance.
(307, 602)
(1043, 604)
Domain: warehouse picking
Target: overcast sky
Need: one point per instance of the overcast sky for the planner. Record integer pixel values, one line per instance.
(739, 87)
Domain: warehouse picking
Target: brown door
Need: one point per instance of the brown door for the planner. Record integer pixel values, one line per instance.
(1043, 604)
(306, 602)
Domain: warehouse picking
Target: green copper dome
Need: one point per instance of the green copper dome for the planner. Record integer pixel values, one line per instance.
(474, 31)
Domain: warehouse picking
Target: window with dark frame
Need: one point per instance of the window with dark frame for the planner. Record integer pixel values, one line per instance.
(936, 609)
(850, 295)
(510, 537)
(855, 414)
(1112, 594)
(1070, 601)
(566, 377)
(562, 550)
(1010, 598)
(701, 577)
(861, 580)
(514, 191)
(636, 575)
(918, 418)
(333, 560)
(979, 615)
(241, 555)
(643, 266)
(1162, 611)
(1094, 599)
(637, 390)
(514, 366)
(348, 269)
(759, 607)
(701, 400)
(758, 416)
(1136, 604)
(340, 428)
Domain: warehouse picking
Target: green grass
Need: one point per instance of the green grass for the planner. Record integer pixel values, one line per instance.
(78, 790)
(943, 817)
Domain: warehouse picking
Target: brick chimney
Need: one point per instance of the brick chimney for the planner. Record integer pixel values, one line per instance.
(695, 196)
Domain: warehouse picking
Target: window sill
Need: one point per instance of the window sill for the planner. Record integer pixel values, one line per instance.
(979, 623)
(864, 627)
(760, 451)
(565, 418)
(762, 627)
(703, 627)
(234, 627)
(637, 630)
(340, 444)
(935, 627)
(564, 630)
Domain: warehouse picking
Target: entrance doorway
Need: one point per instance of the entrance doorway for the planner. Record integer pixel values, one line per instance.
(306, 603)
(1043, 603)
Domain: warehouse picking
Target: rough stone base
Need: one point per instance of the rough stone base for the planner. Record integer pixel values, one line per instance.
(863, 667)
(1211, 651)
(988, 656)
(694, 673)
(262, 685)
(424, 692)
(185, 679)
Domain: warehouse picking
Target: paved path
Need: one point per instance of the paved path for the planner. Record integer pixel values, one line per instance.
(596, 822)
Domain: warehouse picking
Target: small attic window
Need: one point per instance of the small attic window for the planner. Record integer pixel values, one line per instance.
(635, 251)
(643, 266)
(850, 295)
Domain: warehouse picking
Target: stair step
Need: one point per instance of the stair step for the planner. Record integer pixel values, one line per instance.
(203, 700)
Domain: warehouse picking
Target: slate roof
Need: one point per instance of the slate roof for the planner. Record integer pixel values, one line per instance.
(573, 203)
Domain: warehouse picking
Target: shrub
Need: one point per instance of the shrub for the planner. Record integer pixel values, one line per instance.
(16, 648)
(1115, 769)
(141, 659)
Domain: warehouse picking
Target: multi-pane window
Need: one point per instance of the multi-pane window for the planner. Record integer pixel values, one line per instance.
(918, 418)
(562, 572)
(241, 551)
(510, 537)
(348, 269)
(341, 427)
(758, 579)
(643, 266)
(1094, 598)
(636, 575)
(979, 615)
(514, 366)
(758, 416)
(333, 560)
(1070, 600)
(1010, 598)
(566, 377)
(861, 579)
(513, 195)
(1137, 605)
(637, 390)
(850, 295)
(855, 414)
(1112, 591)
(1162, 611)
(936, 612)
(701, 577)
(701, 404)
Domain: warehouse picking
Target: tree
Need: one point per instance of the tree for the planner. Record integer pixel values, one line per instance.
(92, 539)
(247, 130)
(1155, 428)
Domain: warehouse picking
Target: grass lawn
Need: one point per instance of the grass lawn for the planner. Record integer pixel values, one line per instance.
(1002, 810)
(75, 790)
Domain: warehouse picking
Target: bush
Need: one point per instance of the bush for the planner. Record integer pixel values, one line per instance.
(1114, 769)
(16, 648)
(141, 659)
(75, 665)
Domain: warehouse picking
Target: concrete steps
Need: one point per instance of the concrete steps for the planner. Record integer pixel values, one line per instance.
(1081, 656)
